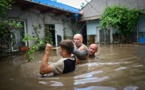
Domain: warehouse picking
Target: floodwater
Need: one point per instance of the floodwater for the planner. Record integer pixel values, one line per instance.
(117, 67)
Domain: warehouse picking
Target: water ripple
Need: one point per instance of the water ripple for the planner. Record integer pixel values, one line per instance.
(89, 80)
(42, 82)
(96, 88)
(86, 75)
(131, 88)
(121, 68)
(56, 83)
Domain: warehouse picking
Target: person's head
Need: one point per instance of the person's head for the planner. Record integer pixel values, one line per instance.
(66, 47)
(78, 39)
(93, 48)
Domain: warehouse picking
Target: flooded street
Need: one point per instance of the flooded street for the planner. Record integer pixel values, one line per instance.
(117, 67)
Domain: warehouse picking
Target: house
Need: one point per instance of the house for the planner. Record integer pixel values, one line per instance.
(49, 15)
(92, 12)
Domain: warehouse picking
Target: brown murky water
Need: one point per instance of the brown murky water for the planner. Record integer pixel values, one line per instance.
(118, 67)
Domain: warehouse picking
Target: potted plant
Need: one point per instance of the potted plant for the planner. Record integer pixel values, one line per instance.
(23, 48)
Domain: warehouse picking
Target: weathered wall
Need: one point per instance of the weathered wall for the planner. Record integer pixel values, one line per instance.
(95, 8)
(33, 17)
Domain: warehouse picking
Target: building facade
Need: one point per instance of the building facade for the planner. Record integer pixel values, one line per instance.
(45, 16)
(92, 12)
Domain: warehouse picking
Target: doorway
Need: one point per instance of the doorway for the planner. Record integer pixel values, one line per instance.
(104, 35)
(50, 30)
(58, 39)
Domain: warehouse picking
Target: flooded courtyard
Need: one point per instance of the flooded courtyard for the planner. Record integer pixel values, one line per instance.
(117, 67)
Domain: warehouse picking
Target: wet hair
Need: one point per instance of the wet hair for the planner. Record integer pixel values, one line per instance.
(67, 45)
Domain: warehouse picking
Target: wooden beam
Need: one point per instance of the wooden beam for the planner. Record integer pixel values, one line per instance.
(46, 10)
(26, 7)
(88, 18)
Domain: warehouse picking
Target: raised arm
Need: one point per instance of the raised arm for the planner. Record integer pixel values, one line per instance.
(44, 67)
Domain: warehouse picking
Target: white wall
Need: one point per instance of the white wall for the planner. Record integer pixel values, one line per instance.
(92, 29)
(59, 31)
(33, 17)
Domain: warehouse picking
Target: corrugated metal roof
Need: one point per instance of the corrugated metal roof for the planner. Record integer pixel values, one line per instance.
(57, 5)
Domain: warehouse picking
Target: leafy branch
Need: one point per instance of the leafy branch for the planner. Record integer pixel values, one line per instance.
(37, 43)
(121, 18)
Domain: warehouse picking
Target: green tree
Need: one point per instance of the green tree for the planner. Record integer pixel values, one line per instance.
(5, 24)
(121, 18)
(4, 6)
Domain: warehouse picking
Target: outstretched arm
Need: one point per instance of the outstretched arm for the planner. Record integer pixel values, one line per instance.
(44, 67)
(80, 53)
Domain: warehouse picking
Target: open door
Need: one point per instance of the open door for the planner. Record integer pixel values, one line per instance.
(50, 29)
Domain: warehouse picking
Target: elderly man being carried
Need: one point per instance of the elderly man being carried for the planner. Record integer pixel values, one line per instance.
(80, 50)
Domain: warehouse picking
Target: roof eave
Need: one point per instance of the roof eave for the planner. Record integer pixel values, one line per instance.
(89, 18)
(53, 7)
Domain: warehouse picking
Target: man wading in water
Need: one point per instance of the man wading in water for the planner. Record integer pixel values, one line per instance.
(81, 51)
(64, 65)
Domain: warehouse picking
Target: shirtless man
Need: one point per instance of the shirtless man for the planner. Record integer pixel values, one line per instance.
(93, 48)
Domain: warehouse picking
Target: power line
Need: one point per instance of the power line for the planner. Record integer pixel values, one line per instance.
(83, 26)
(92, 6)
(90, 17)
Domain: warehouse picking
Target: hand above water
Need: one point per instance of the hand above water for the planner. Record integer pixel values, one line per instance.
(48, 48)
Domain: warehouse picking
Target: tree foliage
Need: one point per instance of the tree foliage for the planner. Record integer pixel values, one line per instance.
(120, 18)
(4, 6)
(37, 42)
(5, 24)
